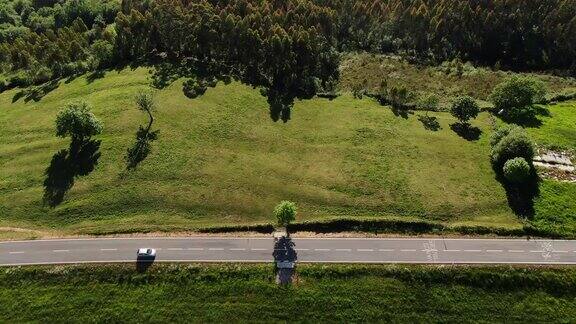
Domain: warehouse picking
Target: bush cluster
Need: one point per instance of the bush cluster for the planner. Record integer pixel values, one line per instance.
(515, 97)
(512, 153)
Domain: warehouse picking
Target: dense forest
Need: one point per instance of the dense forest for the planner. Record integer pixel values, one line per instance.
(287, 48)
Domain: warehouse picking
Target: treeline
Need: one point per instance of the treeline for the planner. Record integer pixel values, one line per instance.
(19, 17)
(288, 48)
(43, 40)
(516, 34)
(279, 46)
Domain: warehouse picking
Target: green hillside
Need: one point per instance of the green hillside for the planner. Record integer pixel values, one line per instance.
(220, 160)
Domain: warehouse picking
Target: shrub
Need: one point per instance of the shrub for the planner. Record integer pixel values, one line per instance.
(21, 79)
(515, 144)
(3, 84)
(285, 212)
(515, 96)
(77, 121)
(501, 132)
(428, 102)
(42, 75)
(465, 108)
(194, 88)
(516, 170)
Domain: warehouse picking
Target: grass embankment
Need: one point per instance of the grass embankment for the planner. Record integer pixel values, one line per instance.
(221, 161)
(219, 293)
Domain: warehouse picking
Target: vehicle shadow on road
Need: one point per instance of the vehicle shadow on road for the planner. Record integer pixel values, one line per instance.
(285, 257)
(142, 264)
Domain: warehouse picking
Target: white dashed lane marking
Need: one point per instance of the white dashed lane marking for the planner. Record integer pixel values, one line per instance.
(516, 251)
(495, 251)
(16, 252)
(408, 250)
(58, 251)
(174, 249)
(386, 250)
(258, 249)
(215, 249)
(343, 250)
(108, 249)
(365, 250)
(238, 249)
(472, 250)
(195, 249)
(322, 250)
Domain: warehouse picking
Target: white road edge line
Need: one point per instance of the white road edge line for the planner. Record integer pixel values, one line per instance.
(267, 261)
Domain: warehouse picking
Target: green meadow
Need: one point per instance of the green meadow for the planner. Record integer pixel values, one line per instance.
(221, 161)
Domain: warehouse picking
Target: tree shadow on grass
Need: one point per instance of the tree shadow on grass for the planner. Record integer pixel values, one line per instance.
(66, 165)
(36, 93)
(466, 131)
(528, 117)
(95, 75)
(401, 111)
(429, 122)
(521, 196)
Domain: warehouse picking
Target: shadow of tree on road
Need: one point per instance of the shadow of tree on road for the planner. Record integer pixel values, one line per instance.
(284, 252)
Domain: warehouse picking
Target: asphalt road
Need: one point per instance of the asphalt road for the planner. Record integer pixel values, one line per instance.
(328, 250)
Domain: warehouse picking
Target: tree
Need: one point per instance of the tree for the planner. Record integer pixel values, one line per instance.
(465, 108)
(285, 212)
(78, 122)
(517, 170)
(144, 136)
(515, 97)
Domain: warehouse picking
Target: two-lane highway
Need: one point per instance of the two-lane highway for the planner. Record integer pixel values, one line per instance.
(328, 250)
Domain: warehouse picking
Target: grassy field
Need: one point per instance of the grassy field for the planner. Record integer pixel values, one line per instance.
(246, 293)
(558, 129)
(220, 160)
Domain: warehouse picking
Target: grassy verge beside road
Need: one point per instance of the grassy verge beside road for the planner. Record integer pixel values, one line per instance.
(218, 293)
